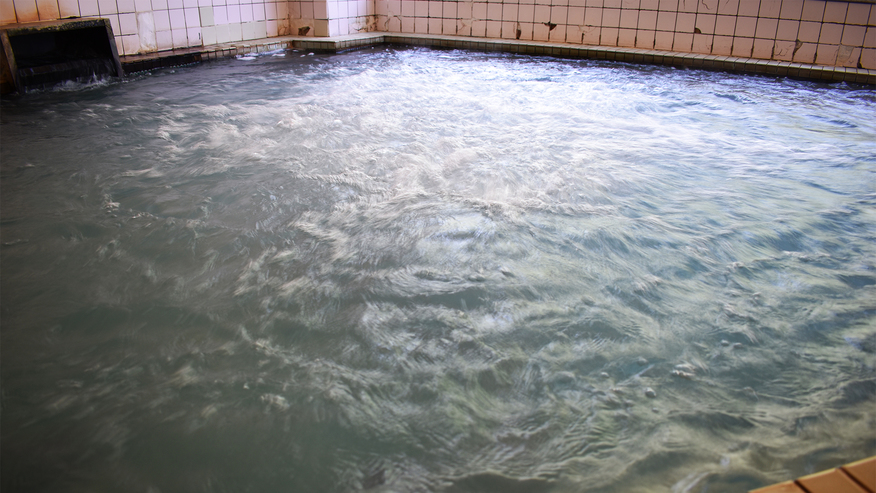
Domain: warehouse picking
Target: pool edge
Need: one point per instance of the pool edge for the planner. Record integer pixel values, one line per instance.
(752, 66)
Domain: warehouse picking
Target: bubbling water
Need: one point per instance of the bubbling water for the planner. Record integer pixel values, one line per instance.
(415, 270)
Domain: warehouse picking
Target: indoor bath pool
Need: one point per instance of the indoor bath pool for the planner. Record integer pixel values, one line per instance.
(410, 270)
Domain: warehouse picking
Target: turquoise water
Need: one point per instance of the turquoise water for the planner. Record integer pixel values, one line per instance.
(412, 270)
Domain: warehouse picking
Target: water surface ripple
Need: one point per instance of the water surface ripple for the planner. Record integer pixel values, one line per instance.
(412, 270)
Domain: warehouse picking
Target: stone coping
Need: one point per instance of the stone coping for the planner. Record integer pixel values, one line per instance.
(773, 68)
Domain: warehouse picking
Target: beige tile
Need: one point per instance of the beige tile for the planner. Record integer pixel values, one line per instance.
(540, 32)
(590, 35)
(854, 35)
(809, 31)
(702, 43)
(573, 34)
(746, 26)
(611, 18)
(742, 46)
(608, 36)
(509, 12)
(766, 28)
(858, 14)
(770, 9)
(706, 23)
(542, 14)
(7, 12)
(725, 25)
(649, 5)
(612, 4)
(48, 10)
(663, 40)
(784, 50)
(494, 29)
(688, 5)
(593, 16)
(787, 30)
(525, 13)
(494, 11)
(449, 26)
(682, 42)
(831, 34)
(629, 19)
(557, 34)
(835, 12)
(449, 10)
(749, 8)
(668, 5)
(806, 53)
(645, 39)
(630, 4)
(685, 23)
(791, 9)
(826, 54)
(868, 58)
(421, 26)
(870, 38)
(626, 38)
(666, 21)
(559, 15)
(722, 45)
(728, 7)
(763, 49)
(647, 20)
(509, 30)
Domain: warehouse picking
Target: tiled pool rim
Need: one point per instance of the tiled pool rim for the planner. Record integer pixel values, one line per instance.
(773, 68)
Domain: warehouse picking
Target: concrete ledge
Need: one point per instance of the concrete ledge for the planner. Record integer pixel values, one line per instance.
(136, 63)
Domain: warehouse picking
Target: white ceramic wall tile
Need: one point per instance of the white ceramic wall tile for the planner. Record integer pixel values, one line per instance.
(88, 8)
(127, 24)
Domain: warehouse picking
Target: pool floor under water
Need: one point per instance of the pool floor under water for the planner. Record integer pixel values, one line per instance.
(412, 270)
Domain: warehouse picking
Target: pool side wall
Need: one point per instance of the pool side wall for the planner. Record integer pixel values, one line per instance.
(831, 33)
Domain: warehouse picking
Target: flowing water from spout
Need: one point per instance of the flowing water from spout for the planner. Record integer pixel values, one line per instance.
(411, 270)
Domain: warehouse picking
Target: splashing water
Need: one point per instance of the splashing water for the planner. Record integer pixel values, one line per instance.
(414, 270)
